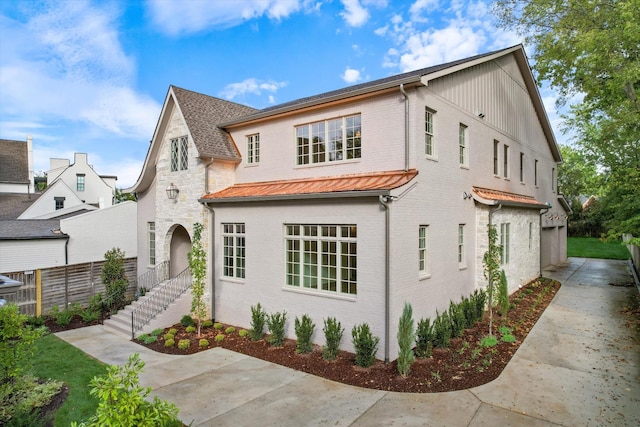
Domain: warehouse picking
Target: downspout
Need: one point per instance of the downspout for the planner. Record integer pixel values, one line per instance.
(384, 202)
(406, 127)
(540, 236)
(210, 270)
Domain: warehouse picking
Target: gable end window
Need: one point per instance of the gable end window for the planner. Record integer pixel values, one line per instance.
(429, 139)
(253, 149)
(59, 202)
(321, 258)
(233, 246)
(179, 154)
(80, 182)
(329, 140)
(462, 143)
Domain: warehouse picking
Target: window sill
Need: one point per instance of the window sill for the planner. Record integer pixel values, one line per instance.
(322, 294)
(496, 176)
(324, 164)
(251, 165)
(464, 167)
(462, 267)
(232, 280)
(522, 183)
(425, 277)
(506, 178)
(431, 158)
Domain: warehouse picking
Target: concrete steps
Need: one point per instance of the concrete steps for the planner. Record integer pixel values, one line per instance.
(120, 323)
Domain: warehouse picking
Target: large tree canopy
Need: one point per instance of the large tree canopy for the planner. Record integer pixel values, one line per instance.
(589, 50)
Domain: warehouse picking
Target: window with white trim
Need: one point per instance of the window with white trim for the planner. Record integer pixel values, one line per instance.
(321, 258)
(151, 233)
(506, 161)
(521, 167)
(423, 250)
(553, 179)
(179, 154)
(233, 250)
(530, 235)
(535, 172)
(462, 144)
(59, 201)
(496, 166)
(329, 140)
(429, 139)
(505, 242)
(253, 148)
(80, 180)
(461, 260)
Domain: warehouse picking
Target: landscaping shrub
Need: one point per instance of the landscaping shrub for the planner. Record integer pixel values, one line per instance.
(258, 320)
(507, 335)
(169, 336)
(479, 298)
(333, 332)
(184, 344)
(203, 343)
(169, 342)
(275, 323)
(157, 332)
(207, 323)
(230, 330)
(219, 337)
(114, 279)
(190, 329)
(365, 344)
(123, 402)
(304, 331)
(458, 321)
(217, 326)
(89, 316)
(441, 330)
(17, 340)
(243, 333)
(172, 331)
(61, 317)
(424, 338)
(96, 303)
(503, 296)
(489, 341)
(406, 337)
(469, 310)
(187, 320)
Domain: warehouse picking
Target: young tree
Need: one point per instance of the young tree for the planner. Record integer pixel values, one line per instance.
(491, 262)
(114, 278)
(198, 265)
(590, 52)
(406, 337)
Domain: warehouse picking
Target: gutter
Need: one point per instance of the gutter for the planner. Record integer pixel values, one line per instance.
(384, 202)
(406, 127)
(210, 270)
(308, 196)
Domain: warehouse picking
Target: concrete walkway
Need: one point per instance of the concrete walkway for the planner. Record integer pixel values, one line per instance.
(579, 366)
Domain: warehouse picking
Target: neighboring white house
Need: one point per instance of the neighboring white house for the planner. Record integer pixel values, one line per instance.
(352, 202)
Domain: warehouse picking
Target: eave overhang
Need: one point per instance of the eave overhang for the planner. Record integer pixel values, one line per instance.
(489, 197)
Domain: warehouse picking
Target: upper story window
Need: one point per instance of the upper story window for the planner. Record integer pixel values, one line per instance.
(80, 182)
(461, 256)
(59, 202)
(253, 149)
(462, 142)
(522, 167)
(179, 154)
(506, 161)
(329, 140)
(429, 140)
(553, 179)
(322, 257)
(535, 172)
(496, 148)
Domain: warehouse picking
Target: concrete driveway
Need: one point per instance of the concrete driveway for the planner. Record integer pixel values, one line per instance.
(579, 366)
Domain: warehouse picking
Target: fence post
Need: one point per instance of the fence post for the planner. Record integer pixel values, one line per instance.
(38, 292)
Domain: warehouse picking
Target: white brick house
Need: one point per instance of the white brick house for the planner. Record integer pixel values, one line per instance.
(351, 202)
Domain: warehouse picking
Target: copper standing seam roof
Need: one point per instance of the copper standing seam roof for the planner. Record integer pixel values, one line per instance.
(503, 197)
(379, 181)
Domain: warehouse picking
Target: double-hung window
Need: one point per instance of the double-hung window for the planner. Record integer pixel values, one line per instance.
(80, 182)
(535, 172)
(506, 161)
(429, 140)
(462, 143)
(461, 261)
(505, 238)
(329, 140)
(233, 248)
(321, 258)
(179, 154)
(151, 232)
(423, 250)
(253, 149)
(496, 166)
(522, 167)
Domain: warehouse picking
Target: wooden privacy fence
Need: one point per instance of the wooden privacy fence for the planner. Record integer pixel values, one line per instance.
(62, 286)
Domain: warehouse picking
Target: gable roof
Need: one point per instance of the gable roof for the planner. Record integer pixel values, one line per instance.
(29, 229)
(14, 162)
(13, 204)
(354, 185)
(202, 113)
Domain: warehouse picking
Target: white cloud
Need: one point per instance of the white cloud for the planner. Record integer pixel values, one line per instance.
(351, 75)
(382, 31)
(354, 14)
(419, 7)
(66, 63)
(250, 86)
(176, 17)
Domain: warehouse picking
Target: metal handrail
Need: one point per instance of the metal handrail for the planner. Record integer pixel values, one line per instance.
(154, 277)
(159, 300)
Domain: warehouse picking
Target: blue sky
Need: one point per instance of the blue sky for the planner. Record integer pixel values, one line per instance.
(91, 76)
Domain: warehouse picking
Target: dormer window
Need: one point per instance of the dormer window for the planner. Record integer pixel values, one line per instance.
(179, 154)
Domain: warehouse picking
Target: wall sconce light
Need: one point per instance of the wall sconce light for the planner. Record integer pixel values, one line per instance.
(172, 191)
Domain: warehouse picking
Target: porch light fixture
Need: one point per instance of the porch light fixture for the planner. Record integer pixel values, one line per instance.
(172, 191)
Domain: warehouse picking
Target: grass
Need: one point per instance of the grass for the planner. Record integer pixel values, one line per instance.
(58, 360)
(592, 247)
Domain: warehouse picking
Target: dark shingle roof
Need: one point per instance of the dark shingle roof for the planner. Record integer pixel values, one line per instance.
(14, 161)
(12, 205)
(202, 114)
(27, 229)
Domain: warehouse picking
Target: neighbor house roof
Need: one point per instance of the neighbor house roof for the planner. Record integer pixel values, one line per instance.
(331, 186)
(202, 113)
(30, 229)
(495, 197)
(14, 162)
(14, 204)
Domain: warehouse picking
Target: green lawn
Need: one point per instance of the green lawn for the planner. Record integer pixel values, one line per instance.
(592, 247)
(56, 359)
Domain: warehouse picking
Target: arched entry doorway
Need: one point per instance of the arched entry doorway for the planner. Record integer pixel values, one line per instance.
(179, 248)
